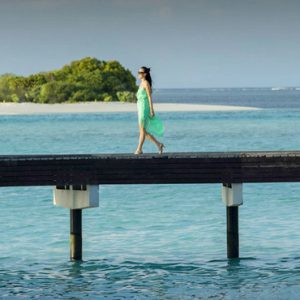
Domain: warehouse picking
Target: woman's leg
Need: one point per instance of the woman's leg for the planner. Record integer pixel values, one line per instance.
(152, 138)
(142, 137)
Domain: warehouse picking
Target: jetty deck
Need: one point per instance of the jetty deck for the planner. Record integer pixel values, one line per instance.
(150, 168)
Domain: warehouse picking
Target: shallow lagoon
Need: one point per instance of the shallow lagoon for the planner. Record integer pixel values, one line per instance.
(152, 241)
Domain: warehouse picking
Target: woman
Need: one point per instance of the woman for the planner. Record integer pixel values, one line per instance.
(149, 123)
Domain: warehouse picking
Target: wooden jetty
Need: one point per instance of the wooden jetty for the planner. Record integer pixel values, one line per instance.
(75, 178)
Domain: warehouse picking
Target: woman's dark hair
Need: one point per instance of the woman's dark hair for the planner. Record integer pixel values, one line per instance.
(148, 76)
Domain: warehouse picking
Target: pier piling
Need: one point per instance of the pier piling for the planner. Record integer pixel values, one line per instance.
(232, 196)
(75, 234)
(76, 197)
(232, 213)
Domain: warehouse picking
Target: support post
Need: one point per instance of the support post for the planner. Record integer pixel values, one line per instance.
(232, 196)
(76, 198)
(232, 231)
(76, 234)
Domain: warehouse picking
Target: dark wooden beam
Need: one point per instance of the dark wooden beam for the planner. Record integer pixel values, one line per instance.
(150, 168)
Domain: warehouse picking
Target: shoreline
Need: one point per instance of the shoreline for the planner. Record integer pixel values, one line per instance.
(10, 108)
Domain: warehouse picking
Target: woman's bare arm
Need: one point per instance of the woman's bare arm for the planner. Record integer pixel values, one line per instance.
(147, 87)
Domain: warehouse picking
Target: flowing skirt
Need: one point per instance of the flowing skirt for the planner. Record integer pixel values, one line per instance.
(152, 125)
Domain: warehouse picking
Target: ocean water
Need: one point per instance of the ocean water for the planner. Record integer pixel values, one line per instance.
(265, 97)
(159, 241)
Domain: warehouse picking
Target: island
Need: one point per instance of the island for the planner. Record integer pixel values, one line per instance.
(84, 80)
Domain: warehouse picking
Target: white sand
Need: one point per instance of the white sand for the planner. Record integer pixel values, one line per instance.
(92, 107)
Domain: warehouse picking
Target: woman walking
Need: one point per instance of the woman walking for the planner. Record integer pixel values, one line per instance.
(149, 123)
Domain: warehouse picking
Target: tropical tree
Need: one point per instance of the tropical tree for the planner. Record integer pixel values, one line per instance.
(88, 79)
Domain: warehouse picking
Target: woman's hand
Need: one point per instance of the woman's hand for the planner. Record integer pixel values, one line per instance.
(151, 113)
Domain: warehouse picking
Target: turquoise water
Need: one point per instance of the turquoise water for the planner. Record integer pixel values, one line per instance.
(151, 241)
(264, 97)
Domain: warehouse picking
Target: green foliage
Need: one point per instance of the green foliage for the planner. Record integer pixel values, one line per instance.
(126, 96)
(88, 79)
(107, 97)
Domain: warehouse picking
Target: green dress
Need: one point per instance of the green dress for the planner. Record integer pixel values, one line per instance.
(152, 125)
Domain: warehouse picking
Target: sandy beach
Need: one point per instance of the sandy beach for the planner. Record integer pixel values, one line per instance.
(92, 107)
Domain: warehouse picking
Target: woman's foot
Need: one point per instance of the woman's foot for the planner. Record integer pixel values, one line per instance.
(160, 148)
(138, 151)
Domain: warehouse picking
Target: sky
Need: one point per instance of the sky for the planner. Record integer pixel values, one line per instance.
(187, 44)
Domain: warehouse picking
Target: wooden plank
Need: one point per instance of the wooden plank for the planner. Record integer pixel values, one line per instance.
(180, 167)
